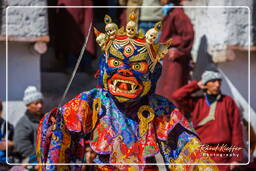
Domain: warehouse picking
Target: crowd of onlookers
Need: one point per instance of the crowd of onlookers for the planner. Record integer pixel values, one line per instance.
(21, 139)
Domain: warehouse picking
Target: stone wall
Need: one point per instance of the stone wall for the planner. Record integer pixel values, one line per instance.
(25, 21)
(223, 26)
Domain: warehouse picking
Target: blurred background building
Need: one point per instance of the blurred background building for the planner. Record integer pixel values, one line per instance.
(27, 41)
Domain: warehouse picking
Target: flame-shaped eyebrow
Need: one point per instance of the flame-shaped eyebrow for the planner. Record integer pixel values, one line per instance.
(139, 57)
(116, 52)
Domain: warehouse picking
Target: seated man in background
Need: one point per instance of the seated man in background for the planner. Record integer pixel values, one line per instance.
(215, 117)
(26, 129)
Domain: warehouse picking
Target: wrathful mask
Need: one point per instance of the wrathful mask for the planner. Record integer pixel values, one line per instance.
(129, 66)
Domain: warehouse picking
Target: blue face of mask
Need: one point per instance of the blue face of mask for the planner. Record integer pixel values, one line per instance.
(126, 75)
(166, 8)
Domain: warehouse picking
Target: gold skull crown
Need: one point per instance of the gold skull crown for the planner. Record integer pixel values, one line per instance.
(114, 35)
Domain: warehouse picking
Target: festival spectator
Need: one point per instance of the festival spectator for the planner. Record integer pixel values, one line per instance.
(215, 117)
(90, 155)
(176, 64)
(25, 132)
(149, 16)
(124, 17)
(71, 28)
(3, 141)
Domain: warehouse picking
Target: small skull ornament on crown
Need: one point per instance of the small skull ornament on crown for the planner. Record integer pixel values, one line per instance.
(122, 36)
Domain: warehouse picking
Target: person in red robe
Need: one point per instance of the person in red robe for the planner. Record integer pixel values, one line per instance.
(176, 64)
(72, 26)
(215, 117)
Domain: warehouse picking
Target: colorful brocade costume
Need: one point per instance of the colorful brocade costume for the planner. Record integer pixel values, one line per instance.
(124, 121)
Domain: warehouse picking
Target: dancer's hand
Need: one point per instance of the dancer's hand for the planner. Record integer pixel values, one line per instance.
(173, 54)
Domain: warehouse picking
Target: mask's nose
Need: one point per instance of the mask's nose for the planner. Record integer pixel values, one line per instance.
(125, 72)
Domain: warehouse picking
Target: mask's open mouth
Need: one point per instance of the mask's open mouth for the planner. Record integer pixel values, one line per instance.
(124, 86)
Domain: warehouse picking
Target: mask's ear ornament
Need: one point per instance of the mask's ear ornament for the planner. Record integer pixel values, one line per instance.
(101, 39)
(162, 50)
(110, 28)
(152, 33)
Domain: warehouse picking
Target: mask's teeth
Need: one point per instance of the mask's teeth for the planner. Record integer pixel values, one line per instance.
(115, 82)
(133, 87)
(132, 91)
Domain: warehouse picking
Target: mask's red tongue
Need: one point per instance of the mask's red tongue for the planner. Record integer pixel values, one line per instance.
(123, 86)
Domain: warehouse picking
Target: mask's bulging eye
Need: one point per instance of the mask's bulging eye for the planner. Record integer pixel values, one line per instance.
(136, 66)
(112, 62)
(140, 67)
(116, 63)
(128, 50)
